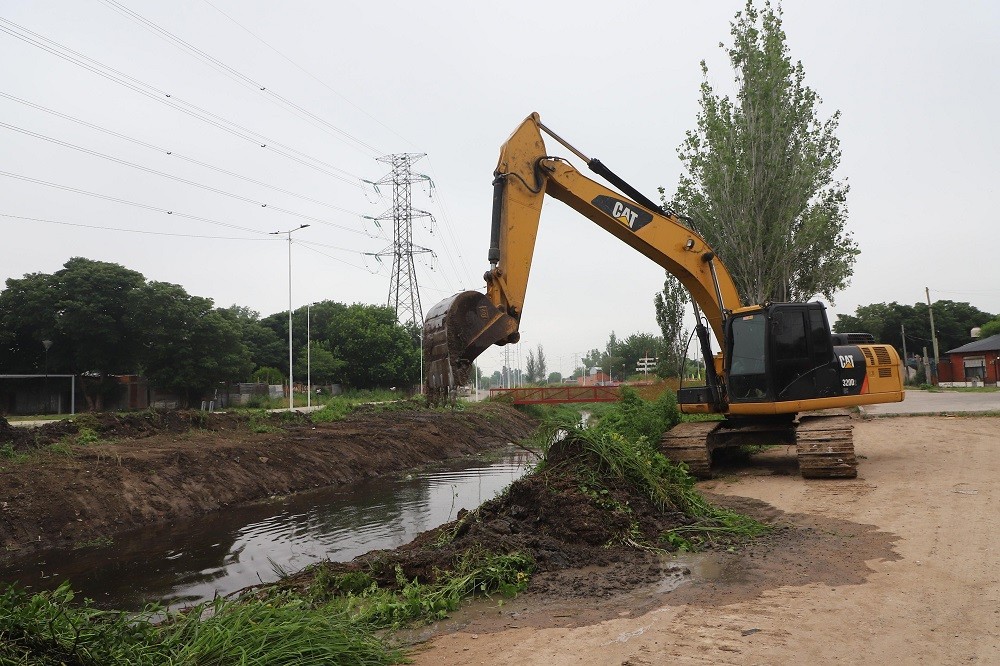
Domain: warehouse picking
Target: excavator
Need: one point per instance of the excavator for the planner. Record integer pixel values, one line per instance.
(779, 363)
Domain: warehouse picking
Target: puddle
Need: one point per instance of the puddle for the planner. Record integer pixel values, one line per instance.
(195, 560)
(679, 568)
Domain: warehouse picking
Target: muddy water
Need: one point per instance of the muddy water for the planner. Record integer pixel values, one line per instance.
(195, 560)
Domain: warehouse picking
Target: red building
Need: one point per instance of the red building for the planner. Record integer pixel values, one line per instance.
(974, 364)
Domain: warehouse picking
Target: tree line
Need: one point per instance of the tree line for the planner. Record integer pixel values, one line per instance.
(953, 324)
(101, 319)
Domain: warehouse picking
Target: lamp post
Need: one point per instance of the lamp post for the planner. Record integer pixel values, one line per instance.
(48, 400)
(291, 404)
(309, 386)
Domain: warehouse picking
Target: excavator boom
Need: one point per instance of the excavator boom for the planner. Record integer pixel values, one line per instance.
(460, 328)
(776, 359)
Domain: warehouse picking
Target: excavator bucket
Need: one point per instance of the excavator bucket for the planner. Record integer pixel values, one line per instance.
(456, 331)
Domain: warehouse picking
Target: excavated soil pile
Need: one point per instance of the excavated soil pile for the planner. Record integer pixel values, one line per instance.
(147, 469)
(132, 425)
(559, 516)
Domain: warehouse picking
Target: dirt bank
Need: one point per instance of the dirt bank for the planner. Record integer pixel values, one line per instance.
(898, 566)
(141, 472)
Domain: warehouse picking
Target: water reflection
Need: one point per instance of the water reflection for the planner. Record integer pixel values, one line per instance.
(196, 560)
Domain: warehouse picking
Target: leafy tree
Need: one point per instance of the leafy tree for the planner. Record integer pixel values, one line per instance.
(990, 328)
(531, 368)
(759, 182)
(540, 361)
(86, 309)
(323, 367)
(669, 305)
(555, 378)
(266, 348)
(953, 323)
(377, 351)
(267, 375)
(188, 346)
(593, 359)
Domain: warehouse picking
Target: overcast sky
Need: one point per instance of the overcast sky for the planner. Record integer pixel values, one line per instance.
(347, 82)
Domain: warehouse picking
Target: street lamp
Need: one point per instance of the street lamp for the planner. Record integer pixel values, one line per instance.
(309, 368)
(48, 400)
(291, 404)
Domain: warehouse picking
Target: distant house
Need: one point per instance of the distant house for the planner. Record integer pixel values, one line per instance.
(974, 364)
(596, 377)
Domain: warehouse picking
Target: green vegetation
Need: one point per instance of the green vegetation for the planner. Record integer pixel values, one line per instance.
(477, 572)
(339, 619)
(49, 628)
(886, 321)
(8, 452)
(113, 320)
(767, 150)
(87, 435)
(624, 441)
(96, 542)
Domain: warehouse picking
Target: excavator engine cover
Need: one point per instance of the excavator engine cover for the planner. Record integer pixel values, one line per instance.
(456, 331)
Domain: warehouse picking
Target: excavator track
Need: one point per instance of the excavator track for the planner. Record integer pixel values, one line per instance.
(824, 443)
(825, 447)
(691, 444)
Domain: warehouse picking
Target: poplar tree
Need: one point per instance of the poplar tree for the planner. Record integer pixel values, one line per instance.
(759, 181)
(669, 305)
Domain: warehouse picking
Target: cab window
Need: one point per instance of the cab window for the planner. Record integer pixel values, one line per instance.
(747, 369)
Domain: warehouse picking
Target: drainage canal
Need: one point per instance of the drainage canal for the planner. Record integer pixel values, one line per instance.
(188, 562)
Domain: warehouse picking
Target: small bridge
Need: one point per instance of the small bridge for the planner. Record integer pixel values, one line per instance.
(557, 394)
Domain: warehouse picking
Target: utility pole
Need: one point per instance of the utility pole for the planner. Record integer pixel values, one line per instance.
(289, 232)
(404, 294)
(906, 371)
(934, 341)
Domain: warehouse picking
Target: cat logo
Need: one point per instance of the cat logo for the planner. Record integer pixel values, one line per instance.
(624, 212)
(847, 361)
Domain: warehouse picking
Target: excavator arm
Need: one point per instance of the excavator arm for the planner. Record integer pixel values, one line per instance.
(462, 327)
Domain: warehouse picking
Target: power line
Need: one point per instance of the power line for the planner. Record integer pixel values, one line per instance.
(127, 202)
(178, 104)
(132, 231)
(174, 178)
(312, 249)
(306, 72)
(465, 275)
(176, 155)
(236, 75)
(454, 240)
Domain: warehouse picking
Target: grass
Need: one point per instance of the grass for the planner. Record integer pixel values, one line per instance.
(624, 442)
(340, 619)
(51, 628)
(477, 572)
(96, 542)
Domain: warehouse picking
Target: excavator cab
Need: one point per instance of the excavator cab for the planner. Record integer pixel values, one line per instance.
(782, 351)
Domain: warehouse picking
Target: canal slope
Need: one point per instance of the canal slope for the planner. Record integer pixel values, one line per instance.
(74, 495)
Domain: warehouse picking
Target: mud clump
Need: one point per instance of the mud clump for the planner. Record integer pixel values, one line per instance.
(571, 513)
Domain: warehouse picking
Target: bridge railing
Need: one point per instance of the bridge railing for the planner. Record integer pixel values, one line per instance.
(558, 394)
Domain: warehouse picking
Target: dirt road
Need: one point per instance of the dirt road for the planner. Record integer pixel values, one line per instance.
(904, 569)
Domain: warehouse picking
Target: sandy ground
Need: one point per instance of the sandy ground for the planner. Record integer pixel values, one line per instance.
(927, 492)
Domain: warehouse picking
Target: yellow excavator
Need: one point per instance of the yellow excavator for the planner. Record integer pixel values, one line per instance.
(777, 360)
